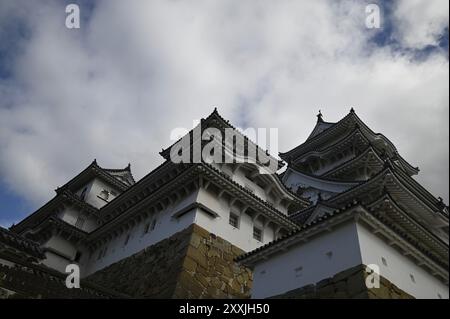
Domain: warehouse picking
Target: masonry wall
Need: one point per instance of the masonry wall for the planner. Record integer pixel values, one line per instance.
(347, 284)
(193, 263)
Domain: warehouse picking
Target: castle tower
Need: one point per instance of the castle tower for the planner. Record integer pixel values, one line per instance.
(368, 210)
(177, 231)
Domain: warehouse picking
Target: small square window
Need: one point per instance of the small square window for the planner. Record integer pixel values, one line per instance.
(77, 257)
(153, 225)
(146, 228)
(234, 220)
(126, 240)
(257, 233)
(104, 194)
(298, 271)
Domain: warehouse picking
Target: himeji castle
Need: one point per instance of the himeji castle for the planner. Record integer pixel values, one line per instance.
(340, 217)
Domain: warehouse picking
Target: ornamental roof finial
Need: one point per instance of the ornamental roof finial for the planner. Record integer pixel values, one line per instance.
(352, 110)
(319, 116)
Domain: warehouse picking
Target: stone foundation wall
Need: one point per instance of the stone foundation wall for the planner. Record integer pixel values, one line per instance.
(348, 284)
(190, 264)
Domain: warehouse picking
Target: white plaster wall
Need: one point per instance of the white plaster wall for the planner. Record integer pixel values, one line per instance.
(116, 249)
(240, 178)
(242, 236)
(307, 263)
(96, 186)
(55, 262)
(61, 245)
(70, 215)
(399, 267)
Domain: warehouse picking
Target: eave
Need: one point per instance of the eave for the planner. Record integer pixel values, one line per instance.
(358, 161)
(330, 149)
(90, 172)
(63, 196)
(386, 208)
(353, 212)
(190, 173)
(53, 225)
(20, 243)
(403, 184)
(217, 121)
(350, 121)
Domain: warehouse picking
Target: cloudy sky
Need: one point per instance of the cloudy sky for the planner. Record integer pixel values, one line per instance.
(115, 88)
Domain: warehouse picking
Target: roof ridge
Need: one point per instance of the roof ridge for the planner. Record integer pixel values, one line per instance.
(318, 135)
(342, 165)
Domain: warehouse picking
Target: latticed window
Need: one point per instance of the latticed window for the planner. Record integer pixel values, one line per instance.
(234, 220)
(257, 233)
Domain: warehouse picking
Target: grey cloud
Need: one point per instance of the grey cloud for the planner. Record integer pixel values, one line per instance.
(116, 88)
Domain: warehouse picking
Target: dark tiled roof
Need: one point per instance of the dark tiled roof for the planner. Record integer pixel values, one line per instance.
(18, 242)
(225, 123)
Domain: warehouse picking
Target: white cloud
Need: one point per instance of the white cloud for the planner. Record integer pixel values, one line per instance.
(420, 23)
(116, 88)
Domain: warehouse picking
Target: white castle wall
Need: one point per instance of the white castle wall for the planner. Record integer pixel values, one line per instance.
(166, 226)
(116, 249)
(399, 268)
(242, 236)
(95, 187)
(65, 253)
(350, 245)
(308, 263)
